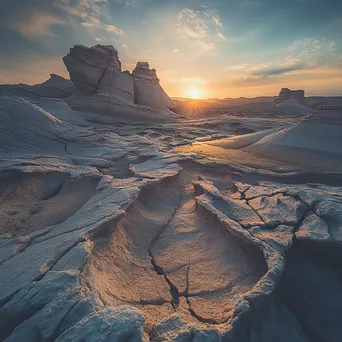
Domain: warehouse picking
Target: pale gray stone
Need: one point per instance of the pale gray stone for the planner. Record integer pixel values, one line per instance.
(279, 209)
(331, 213)
(111, 324)
(313, 228)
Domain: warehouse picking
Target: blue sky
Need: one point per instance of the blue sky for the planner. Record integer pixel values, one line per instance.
(220, 48)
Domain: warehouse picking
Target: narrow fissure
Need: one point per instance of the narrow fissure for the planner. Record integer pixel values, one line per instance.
(158, 269)
(173, 289)
(191, 310)
(57, 332)
(266, 225)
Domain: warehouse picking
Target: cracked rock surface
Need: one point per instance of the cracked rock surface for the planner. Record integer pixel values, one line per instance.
(109, 232)
(168, 255)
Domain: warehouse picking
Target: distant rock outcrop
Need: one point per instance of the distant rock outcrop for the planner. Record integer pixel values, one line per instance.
(102, 86)
(55, 87)
(286, 94)
(58, 82)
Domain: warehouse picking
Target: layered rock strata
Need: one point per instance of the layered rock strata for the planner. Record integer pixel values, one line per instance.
(286, 94)
(148, 91)
(102, 86)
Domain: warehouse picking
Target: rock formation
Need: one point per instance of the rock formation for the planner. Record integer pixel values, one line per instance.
(102, 86)
(55, 87)
(98, 69)
(148, 91)
(286, 94)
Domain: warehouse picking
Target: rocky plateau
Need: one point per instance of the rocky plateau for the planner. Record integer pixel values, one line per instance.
(124, 221)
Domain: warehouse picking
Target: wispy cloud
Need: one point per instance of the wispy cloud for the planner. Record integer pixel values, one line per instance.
(114, 29)
(203, 26)
(316, 49)
(91, 22)
(221, 36)
(86, 9)
(199, 24)
(35, 24)
(275, 71)
(92, 14)
(127, 2)
(192, 24)
(39, 22)
(206, 46)
(303, 55)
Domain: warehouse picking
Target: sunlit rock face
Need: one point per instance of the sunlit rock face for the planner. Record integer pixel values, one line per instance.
(143, 72)
(148, 91)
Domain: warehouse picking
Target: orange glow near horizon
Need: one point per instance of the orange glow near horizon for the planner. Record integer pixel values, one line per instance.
(322, 81)
(194, 93)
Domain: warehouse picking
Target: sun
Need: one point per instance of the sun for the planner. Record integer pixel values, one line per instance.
(194, 93)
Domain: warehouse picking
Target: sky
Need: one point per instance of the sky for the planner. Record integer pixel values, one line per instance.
(217, 48)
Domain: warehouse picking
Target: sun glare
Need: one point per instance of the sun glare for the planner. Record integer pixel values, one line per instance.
(194, 93)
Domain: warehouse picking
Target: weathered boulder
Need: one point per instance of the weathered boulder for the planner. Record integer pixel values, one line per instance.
(103, 88)
(148, 91)
(98, 69)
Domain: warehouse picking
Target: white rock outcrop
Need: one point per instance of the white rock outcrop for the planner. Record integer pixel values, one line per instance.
(102, 87)
(148, 91)
(286, 94)
(98, 69)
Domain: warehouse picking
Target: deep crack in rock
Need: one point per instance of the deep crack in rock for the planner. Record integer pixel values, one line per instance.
(181, 230)
(158, 269)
